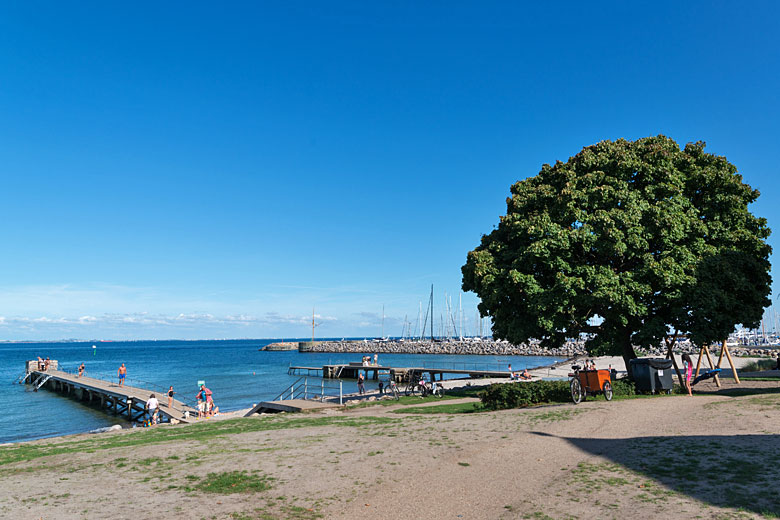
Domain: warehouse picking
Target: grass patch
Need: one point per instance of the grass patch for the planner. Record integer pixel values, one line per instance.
(760, 365)
(230, 482)
(443, 408)
(206, 431)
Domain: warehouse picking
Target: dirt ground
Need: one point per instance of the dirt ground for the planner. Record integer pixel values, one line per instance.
(710, 456)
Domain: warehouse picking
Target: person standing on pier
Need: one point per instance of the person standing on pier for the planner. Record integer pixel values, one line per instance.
(170, 397)
(152, 407)
(81, 370)
(122, 373)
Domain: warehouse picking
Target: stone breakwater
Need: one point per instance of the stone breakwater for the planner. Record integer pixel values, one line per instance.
(485, 347)
(489, 347)
(741, 351)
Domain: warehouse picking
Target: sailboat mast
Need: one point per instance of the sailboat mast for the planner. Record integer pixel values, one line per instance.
(419, 322)
(431, 312)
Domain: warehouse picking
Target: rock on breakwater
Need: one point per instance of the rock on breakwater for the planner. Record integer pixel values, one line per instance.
(487, 347)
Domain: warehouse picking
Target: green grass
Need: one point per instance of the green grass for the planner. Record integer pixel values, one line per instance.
(206, 431)
(230, 482)
(760, 365)
(443, 408)
(416, 399)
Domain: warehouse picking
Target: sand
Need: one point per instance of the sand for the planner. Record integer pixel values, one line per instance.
(669, 457)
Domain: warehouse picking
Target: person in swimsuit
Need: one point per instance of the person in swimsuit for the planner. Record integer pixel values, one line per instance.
(122, 373)
(81, 370)
(170, 397)
(688, 366)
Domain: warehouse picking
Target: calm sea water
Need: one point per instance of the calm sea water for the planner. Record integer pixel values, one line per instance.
(235, 370)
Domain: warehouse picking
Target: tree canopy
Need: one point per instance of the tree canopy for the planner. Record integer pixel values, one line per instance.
(625, 241)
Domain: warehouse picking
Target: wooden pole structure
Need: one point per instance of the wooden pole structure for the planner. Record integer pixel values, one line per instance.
(731, 361)
(670, 348)
(705, 350)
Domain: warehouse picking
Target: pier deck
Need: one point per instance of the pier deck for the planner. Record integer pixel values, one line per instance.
(125, 400)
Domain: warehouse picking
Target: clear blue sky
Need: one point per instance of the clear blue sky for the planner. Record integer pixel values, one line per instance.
(193, 170)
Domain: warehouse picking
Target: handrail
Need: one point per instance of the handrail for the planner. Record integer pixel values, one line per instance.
(301, 389)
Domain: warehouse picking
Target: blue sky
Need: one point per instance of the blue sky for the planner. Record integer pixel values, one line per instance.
(188, 170)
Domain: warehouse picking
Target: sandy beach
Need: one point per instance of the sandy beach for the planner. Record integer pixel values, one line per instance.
(715, 454)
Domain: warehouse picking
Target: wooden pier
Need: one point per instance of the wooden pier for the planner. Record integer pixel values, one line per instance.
(399, 374)
(124, 400)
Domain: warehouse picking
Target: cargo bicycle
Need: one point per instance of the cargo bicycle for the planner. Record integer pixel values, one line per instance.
(589, 382)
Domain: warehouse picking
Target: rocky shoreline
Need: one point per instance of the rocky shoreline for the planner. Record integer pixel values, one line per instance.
(479, 347)
(490, 347)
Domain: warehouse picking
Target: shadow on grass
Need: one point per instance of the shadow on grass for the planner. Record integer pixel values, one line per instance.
(734, 471)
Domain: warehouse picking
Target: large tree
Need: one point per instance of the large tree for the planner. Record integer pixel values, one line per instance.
(625, 241)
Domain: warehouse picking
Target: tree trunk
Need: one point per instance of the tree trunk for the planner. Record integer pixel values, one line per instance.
(628, 352)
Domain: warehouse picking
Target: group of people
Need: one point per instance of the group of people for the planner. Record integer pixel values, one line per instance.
(367, 361)
(206, 406)
(43, 364)
(525, 375)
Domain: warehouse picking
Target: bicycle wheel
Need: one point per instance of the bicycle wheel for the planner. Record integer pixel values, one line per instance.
(423, 391)
(409, 389)
(396, 394)
(439, 392)
(607, 390)
(576, 391)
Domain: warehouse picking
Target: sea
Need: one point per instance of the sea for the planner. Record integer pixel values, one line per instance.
(237, 371)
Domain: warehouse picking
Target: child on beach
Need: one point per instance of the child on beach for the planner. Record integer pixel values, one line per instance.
(688, 366)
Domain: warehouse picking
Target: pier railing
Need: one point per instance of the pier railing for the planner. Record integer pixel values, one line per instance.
(313, 388)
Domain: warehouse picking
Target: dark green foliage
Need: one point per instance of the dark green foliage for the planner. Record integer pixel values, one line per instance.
(622, 387)
(760, 365)
(519, 395)
(625, 241)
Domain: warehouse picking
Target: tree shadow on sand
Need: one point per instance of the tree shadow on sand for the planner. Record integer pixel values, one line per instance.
(733, 471)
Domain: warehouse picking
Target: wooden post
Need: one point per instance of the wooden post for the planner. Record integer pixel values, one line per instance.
(712, 365)
(731, 361)
(670, 348)
(698, 362)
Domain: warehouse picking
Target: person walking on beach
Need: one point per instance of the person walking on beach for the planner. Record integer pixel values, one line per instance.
(688, 366)
(170, 396)
(361, 387)
(152, 407)
(122, 372)
(81, 370)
